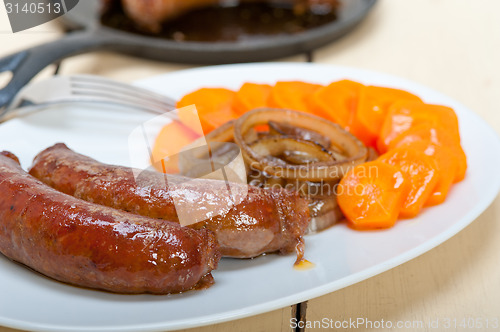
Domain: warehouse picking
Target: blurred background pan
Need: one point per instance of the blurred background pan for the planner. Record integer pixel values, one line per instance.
(90, 30)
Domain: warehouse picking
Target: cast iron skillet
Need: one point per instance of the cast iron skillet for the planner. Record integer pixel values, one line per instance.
(91, 35)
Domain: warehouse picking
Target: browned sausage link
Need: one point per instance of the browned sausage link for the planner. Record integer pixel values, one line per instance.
(265, 221)
(90, 245)
(151, 13)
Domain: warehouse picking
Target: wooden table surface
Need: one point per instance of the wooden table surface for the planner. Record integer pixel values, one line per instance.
(450, 45)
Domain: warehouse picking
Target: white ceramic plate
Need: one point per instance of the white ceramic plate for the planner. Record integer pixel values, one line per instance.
(243, 287)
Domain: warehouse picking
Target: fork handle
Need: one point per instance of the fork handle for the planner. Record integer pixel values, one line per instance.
(25, 64)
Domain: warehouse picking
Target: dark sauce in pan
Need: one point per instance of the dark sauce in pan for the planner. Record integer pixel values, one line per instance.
(245, 21)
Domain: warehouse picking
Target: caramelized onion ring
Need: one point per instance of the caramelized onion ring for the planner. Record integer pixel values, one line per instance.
(283, 149)
(354, 151)
(279, 128)
(223, 134)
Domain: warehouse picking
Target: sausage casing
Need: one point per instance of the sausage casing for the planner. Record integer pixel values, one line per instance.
(266, 220)
(90, 245)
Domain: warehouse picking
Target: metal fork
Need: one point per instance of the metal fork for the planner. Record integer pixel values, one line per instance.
(87, 88)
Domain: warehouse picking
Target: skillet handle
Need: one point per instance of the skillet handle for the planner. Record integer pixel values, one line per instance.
(24, 65)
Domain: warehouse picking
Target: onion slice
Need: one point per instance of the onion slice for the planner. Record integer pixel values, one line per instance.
(279, 128)
(222, 134)
(351, 149)
(283, 149)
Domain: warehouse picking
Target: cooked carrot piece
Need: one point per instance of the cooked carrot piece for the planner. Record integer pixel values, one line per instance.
(292, 95)
(337, 102)
(365, 135)
(422, 173)
(447, 165)
(374, 103)
(169, 142)
(436, 135)
(371, 195)
(403, 115)
(251, 96)
(214, 107)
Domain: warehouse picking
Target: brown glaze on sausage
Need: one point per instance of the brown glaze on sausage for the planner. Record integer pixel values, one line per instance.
(264, 221)
(94, 246)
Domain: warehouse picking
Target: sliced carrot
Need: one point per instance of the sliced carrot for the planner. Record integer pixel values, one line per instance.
(365, 135)
(337, 102)
(436, 135)
(403, 115)
(214, 107)
(169, 142)
(251, 96)
(422, 173)
(371, 195)
(292, 95)
(374, 103)
(447, 165)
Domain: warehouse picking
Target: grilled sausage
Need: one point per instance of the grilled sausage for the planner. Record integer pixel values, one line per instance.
(90, 245)
(266, 220)
(150, 14)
